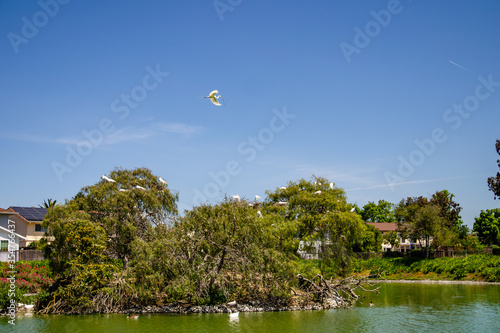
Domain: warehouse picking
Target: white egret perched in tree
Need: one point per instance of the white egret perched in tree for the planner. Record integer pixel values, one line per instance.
(236, 197)
(257, 197)
(214, 98)
(282, 188)
(123, 190)
(259, 214)
(331, 186)
(107, 179)
(353, 209)
(140, 187)
(163, 181)
(317, 192)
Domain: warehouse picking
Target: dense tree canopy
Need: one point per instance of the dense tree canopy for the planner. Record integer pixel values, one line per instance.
(121, 243)
(437, 219)
(494, 182)
(381, 212)
(449, 210)
(217, 253)
(487, 226)
(127, 207)
(322, 216)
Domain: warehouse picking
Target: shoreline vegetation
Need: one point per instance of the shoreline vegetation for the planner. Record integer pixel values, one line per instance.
(120, 246)
(427, 281)
(36, 272)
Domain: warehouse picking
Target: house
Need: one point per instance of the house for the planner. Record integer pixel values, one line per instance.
(309, 249)
(28, 223)
(405, 244)
(9, 238)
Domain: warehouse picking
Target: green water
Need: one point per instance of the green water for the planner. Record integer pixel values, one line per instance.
(398, 308)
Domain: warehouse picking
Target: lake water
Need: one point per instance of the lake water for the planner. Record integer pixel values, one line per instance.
(400, 307)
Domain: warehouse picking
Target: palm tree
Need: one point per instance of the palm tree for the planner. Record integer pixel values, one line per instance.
(49, 203)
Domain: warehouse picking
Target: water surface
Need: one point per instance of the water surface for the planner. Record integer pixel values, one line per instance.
(400, 307)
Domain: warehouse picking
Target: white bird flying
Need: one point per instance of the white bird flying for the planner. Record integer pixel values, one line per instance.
(163, 181)
(140, 187)
(214, 98)
(107, 179)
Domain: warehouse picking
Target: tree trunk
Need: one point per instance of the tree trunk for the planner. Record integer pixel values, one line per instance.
(125, 262)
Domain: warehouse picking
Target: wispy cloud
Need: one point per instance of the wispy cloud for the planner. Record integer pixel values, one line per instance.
(459, 66)
(333, 174)
(30, 138)
(178, 128)
(121, 135)
(411, 182)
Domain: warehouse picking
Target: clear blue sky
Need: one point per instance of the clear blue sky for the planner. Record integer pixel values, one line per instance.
(388, 99)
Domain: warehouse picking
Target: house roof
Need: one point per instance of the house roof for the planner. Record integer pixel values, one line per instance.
(30, 213)
(384, 226)
(7, 212)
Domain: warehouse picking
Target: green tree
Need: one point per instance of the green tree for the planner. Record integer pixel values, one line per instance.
(449, 209)
(494, 182)
(76, 254)
(217, 253)
(381, 212)
(392, 238)
(447, 228)
(322, 215)
(128, 207)
(371, 240)
(420, 220)
(487, 226)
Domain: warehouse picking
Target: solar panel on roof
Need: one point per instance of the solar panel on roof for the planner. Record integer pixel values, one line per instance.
(31, 213)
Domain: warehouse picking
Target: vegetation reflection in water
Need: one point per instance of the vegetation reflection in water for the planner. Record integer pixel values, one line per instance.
(412, 307)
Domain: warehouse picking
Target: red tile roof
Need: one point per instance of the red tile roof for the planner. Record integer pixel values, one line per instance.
(384, 226)
(7, 211)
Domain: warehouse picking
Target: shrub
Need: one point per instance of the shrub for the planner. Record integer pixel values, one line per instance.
(30, 277)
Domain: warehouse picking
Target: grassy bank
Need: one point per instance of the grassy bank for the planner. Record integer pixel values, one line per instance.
(480, 267)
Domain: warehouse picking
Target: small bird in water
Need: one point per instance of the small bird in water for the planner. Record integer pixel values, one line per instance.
(130, 316)
(371, 304)
(233, 314)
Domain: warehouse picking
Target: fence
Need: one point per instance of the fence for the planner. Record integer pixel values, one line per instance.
(440, 253)
(30, 255)
(25, 255)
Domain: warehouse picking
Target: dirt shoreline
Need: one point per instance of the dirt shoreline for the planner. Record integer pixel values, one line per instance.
(437, 282)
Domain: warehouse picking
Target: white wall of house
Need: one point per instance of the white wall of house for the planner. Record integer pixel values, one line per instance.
(6, 246)
(309, 249)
